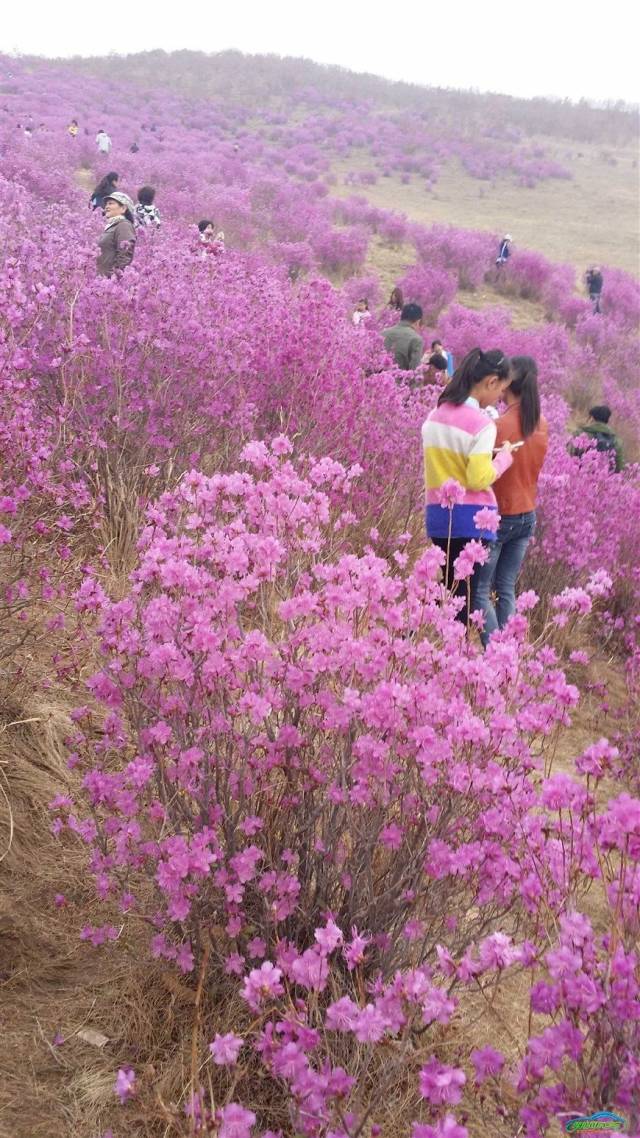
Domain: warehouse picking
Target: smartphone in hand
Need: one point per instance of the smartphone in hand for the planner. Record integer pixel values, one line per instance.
(514, 446)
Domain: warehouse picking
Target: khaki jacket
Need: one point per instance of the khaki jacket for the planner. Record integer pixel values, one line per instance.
(117, 246)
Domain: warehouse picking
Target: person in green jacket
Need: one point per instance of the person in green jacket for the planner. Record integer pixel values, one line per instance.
(404, 341)
(606, 439)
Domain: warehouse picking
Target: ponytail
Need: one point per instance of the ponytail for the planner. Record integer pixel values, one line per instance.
(475, 367)
(524, 385)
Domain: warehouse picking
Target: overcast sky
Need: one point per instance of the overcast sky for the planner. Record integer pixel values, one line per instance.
(567, 48)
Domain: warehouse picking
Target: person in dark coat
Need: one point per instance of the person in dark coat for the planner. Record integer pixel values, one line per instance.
(404, 341)
(504, 252)
(594, 287)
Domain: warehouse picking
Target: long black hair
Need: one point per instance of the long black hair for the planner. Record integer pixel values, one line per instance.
(106, 184)
(524, 385)
(475, 367)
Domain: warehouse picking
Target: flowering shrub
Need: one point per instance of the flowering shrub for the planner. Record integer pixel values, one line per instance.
(467, 253)
(432, 288)
(533, 277)
(301, 749)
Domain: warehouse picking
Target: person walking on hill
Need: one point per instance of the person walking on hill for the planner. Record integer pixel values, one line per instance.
(606, 439)
(103, 142)
(147, 215)
(118, 241)
(522, 425)
(106, 186)
(594, 281)
(404, 341)
(504, 252)
(458, 440)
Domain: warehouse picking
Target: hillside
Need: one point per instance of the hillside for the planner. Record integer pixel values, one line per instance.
(283, 850)
(561, 177)
(264, 82)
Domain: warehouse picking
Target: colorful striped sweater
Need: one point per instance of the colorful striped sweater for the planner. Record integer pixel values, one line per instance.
(458, 443)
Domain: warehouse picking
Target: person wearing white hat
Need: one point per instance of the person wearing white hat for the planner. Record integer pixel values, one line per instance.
(504, 250)
(118, 241)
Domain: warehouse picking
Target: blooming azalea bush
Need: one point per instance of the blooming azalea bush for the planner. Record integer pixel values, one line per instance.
(432, 288)
(310, 781)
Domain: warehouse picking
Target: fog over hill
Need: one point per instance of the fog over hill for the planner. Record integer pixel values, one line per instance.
(266, 80)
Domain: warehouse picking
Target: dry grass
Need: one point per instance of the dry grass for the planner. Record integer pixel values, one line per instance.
(52, 982)
(593, 218)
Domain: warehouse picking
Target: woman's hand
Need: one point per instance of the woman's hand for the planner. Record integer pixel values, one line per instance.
(506, 447)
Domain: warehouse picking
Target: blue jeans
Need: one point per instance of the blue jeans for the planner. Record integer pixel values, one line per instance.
(500, 573)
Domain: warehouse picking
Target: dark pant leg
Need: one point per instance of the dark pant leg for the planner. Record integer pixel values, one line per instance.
(451, 548)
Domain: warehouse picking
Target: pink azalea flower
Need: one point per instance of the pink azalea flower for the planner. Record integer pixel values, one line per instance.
(125, 1083)
(235, 1121)
(226, 1048)
(487, 519)
(451, 494)
(441, 1084)
(261, 984)
(488, 1063)
(474, 553)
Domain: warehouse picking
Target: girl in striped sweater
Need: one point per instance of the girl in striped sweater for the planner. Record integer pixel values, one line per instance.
(458, 440)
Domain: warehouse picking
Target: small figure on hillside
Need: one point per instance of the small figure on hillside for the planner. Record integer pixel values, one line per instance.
(134, 148)
(504, 252)
(361, 312)
(396, 300)
(404, 340)
(118, 241)
(211, 243)
(147, 214)
(103, 142)
(103, 190)
(73, 128)
(606, 439)
(438, 351)
(593, 278)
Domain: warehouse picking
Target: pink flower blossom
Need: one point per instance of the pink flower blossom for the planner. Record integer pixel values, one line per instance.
(451, 494)
(262, 984)
(487, 519)
(474, 553)
(329, 937)
(226, 1048)
(125, 1083)
(447, 1127)
(441, 1084)
(235, 1121)
(487, 1062)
